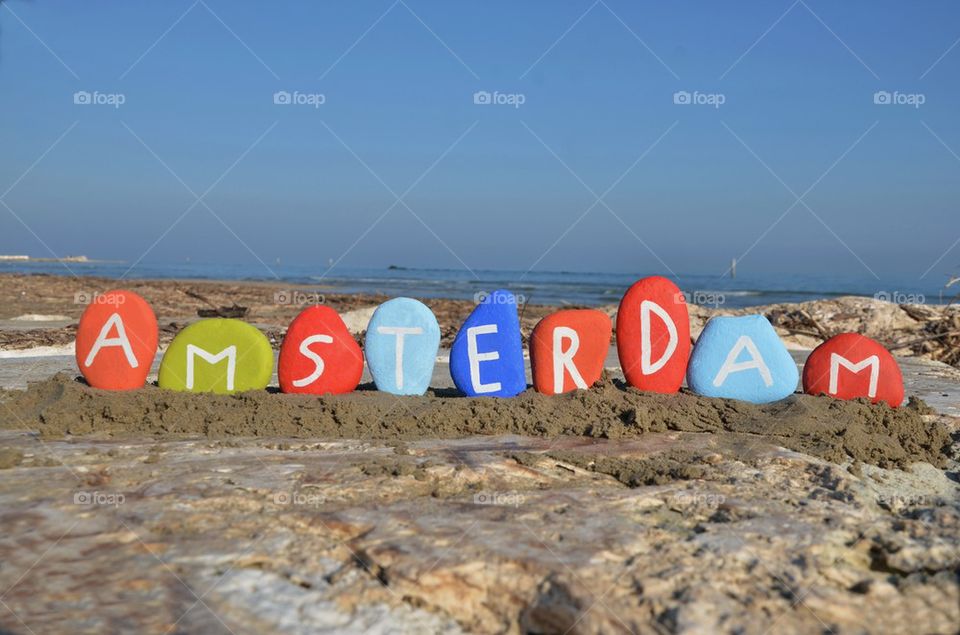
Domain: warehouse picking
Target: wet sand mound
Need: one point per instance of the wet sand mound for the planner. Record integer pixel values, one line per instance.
(833, 430)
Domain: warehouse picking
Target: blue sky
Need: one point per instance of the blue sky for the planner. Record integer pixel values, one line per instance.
(691, 185)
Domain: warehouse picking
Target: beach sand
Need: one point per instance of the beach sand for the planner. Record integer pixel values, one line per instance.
(608, 510)
(830, 429)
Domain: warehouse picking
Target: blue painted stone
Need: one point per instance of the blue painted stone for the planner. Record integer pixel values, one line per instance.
(742, 344)
(401, 346)
(492, 333)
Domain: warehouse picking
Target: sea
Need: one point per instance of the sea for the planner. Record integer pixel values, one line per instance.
(536, 287)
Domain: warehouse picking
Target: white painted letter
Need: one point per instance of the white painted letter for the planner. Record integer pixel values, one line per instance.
(229, 352)
(476, 357)
(731, 365)
(120, 340)
(306, 352)
(563, 359)
(836, 361)
(645, 346)
(400, 332)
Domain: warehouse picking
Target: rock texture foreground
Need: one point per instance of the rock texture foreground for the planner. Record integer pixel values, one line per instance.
(666, 532)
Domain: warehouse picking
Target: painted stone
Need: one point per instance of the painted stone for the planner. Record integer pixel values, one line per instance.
(567, 350)
(116, 341)
(653, 335)
(742, 358)
(487, 355)
(319, 355)
(850, 366)
(401, 346)
(217, 355)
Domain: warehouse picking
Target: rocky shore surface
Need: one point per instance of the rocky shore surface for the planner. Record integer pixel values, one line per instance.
(610, 511)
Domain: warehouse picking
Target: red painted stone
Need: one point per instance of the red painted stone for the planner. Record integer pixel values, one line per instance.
(878, 377)
(319, 355)
(668, 349)
(116, 341)
(577, 338)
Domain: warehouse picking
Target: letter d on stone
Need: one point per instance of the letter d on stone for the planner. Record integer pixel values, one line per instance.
(646, 367)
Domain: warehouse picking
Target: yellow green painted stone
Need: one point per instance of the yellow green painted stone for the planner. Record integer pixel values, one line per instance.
(218, 355)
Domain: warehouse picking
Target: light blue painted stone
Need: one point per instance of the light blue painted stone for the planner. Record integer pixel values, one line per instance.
(406, 329)
(499, 377)
(742, 344)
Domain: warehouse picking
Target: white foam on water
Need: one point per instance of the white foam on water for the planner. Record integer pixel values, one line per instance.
(38, 317)
(67, 350)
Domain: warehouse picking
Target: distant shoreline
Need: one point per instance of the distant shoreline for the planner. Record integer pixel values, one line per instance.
(540, 287)
(76, 259)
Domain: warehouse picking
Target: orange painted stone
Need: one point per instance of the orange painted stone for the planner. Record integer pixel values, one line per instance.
(117, 341)
(850, 366)
(567, 350)
(653, 335)
(319, 355)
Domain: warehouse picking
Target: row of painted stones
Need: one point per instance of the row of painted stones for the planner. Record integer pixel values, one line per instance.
(734, 357)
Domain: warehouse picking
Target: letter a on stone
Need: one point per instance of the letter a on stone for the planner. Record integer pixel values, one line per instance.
(116, 341)
(742, 358)
(731, 365)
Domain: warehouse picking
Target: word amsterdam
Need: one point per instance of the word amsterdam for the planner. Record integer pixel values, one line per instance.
(734, 357)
